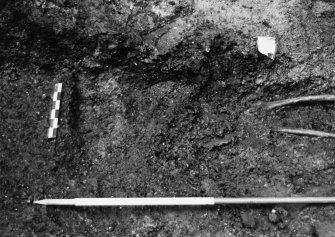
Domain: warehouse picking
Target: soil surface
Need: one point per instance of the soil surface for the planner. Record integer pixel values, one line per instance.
(162, 98)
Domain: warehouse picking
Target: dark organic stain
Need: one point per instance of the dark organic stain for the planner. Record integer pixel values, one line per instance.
(266, 23)
(3, 4)
(75, 105)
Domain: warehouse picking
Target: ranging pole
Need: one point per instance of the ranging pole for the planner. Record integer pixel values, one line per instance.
(181, 201)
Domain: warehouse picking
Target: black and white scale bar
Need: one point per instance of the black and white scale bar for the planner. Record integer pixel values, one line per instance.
(52, 131)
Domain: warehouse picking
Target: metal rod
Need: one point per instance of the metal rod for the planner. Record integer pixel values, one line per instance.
(312, 98)
(181, 201)
(306, 132)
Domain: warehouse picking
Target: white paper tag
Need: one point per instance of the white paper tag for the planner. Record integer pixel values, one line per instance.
(267, 46)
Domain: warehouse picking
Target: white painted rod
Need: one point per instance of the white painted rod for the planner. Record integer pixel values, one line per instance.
(158, 201)
(180, 201)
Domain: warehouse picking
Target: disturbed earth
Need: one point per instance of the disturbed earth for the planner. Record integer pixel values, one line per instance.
(164, 98)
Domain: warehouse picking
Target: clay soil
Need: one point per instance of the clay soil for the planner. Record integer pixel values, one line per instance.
(164, 98)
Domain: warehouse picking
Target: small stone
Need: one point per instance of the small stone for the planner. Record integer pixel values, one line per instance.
(72, 183)
(273, 216)
(44, 96)
(112, 46)
(325, 229)
(300, 182)
(248, 220)
(282, 211)
(302, 229)
(305, 218)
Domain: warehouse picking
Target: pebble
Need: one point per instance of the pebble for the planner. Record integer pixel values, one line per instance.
(325, 229)
(300, 181)
(248, 220)
(112, 46)
(273, 216)
(305, 218)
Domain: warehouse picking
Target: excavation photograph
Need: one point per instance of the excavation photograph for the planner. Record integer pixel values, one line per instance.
(167, 118)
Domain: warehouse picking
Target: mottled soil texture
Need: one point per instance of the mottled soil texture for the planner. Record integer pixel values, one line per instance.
(161, 98)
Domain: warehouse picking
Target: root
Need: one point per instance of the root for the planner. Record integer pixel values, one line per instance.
(312, 98)
(306, 132)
